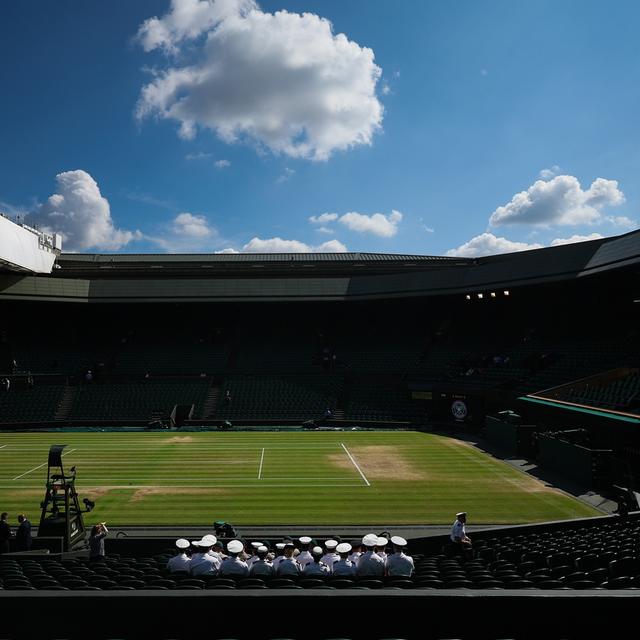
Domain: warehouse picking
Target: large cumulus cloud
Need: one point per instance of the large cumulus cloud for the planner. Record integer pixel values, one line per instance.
(81, 215)
(282, 80)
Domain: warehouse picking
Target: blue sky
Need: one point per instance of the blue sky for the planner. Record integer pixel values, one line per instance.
(416, 127)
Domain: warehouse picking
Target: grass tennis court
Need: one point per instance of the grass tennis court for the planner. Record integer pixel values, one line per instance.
(279, 478)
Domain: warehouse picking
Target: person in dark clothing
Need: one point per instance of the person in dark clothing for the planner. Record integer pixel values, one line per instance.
(96, 542)
(5, 533)
(23, 534)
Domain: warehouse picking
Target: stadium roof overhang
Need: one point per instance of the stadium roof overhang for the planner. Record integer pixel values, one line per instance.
(311, 277)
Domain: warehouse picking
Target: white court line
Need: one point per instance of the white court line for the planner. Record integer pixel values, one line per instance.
(207, 477)
(3, 446)
(261, 461)
(199, 486)
(356, 465)
(41, 465)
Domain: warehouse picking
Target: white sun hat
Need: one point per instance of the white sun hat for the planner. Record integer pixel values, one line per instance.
(398, 541)
(235, 546)
(370, 540)
(181, 543)
(344, 547)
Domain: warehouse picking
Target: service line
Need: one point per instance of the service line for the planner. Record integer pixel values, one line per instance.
(355, 464)
(261, 461)
(41, 465)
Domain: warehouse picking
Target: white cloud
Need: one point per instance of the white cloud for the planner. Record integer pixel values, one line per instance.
(186, 20)
(377, 224)
(278, 245)
(287, 175)
(222, 164)
(81, 215)
(186, 224)
(228, 250)
(428, 229)
(486, 244)
(199, 155)
(324, 218)
(281, 80)
(575, 238)
(561, 200)
(324, 230)
(622, 221)
(546, 174)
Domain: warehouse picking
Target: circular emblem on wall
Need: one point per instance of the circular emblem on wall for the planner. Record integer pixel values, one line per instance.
(459, 410)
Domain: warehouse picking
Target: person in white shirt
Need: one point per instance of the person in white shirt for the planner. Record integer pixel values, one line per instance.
(304, 557)
(279, 554)
(254, 556)
(370, 564)
(344, 567)
(381, 547)
(288, 567)
(261, 567)
(330, 555)
(233, 567)
(204, 562)
(356, 551)
(460, 542)
(316, 567)
(399, 564)
(181, 561)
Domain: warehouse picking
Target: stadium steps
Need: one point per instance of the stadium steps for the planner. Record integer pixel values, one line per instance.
(64, 406)
(211, 401)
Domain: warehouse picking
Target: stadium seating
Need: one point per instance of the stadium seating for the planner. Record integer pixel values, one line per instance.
(300, 397)
(620, 394)
(24, 404)
(601, 556)
(138, 400)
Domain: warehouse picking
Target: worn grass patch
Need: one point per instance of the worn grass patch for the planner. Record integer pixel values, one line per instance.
(378, 463)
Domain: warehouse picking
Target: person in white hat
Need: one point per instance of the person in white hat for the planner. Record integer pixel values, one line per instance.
(370, 564)
(399, 564)
(381, 547)
(316, 567)
(181, 561)
(233, 567)
(204, 562)
(254, 556)
(304, 557)
(288, 567)
(460, 543)
(356, 551)
(344, 567)
(279, 557)
(261, 567)
(330, 555)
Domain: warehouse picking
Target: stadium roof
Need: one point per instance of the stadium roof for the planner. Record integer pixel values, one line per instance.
(258, 257)
(311, 277)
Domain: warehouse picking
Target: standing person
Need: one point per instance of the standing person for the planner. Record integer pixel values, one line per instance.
(5, 533)
(460, 543)
(96, 542)
(398, 563)
(23, 534)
